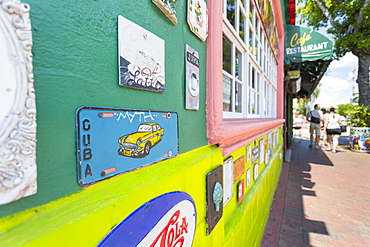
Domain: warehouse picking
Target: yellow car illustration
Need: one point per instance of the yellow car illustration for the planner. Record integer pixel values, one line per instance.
(138, 144)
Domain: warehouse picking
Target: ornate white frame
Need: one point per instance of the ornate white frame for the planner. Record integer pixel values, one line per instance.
(18, 116)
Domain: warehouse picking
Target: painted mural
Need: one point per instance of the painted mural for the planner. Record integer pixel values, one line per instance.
(114, 140)
(141, 57)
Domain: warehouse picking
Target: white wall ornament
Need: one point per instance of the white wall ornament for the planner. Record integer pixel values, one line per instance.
(17, 103)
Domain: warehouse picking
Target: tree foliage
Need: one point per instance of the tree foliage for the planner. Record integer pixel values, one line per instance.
(345, 109)
(348, 21)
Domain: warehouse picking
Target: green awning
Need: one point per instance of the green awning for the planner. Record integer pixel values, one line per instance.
(304, 44)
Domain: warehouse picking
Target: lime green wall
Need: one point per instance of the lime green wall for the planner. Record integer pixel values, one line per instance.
(75, 63)
(84, 218)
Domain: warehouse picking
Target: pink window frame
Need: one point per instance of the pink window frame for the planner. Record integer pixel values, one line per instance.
(231, 134)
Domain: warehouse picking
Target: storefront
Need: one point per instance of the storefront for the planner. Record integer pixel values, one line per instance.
(308, 54)
(153, 126)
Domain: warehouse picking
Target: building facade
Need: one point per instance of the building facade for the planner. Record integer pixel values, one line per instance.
(149, 123)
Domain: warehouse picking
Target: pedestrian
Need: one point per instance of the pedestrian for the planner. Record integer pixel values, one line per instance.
(333, 131)
(323, 130)
(315, 117)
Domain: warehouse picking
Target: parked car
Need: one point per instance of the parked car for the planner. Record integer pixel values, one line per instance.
(138, 144)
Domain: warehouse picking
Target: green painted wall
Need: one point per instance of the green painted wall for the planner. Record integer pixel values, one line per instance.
(86, 217)
(75, 62)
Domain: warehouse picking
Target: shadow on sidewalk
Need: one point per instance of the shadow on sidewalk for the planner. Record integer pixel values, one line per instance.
(288, 211)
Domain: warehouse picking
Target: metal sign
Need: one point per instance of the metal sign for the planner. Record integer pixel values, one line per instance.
(167, 220)
(192, 78)
(113, 140)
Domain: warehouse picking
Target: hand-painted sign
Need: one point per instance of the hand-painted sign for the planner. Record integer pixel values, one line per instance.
(114, 140)
(198, 18)
(167, 220)
(192, 79)
(141, 57)
(214, 197)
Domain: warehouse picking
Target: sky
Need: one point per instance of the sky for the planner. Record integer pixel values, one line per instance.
(336, 86)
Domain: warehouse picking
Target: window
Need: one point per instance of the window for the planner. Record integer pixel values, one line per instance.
(248, 64)
(245, 97)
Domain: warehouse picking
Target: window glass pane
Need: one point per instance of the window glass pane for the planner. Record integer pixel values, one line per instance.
(230, 5)
(238, 98)
(242, 26)
(238, 65)
(226, 55)
(251, 12)
(250, 40)
(226, 93)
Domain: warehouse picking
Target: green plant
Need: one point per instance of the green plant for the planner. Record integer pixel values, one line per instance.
(360, 116)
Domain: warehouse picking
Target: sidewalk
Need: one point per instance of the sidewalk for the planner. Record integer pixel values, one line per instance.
(323, 199)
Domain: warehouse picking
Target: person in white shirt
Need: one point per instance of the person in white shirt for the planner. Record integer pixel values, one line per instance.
(333, 131)
(315, 117)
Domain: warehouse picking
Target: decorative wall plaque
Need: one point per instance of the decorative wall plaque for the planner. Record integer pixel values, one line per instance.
(249, 153)
(248, 178)
(228, 179)
(214, 198)
(141, 57)
(114, 140)
(167, 220)
(168, 8)
(241, 191)
(192, 78)
(17, 104)
(255, 172)
(262, 151)
(254, 154)
(239, 168)
(198, 18)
